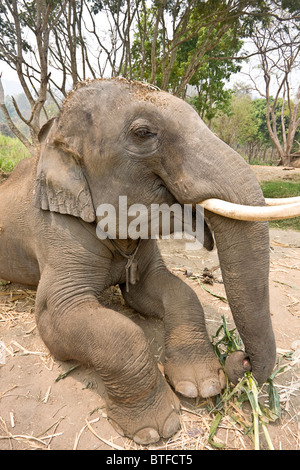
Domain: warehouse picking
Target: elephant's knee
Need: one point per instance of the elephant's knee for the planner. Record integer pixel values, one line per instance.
(130, 341)
(131, 362)
(52, 337)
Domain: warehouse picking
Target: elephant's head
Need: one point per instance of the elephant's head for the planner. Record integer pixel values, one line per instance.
(114, 138)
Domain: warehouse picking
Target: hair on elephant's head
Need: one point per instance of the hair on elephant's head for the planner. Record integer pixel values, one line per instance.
(115, 137)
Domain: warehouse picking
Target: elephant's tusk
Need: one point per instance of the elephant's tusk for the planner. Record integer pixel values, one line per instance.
(282, 201)
(251, 213)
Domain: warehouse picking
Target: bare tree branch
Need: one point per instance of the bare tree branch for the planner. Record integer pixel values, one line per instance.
(285, 43)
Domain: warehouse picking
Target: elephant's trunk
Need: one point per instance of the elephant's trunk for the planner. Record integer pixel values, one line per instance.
(244, 258)
(243, 247)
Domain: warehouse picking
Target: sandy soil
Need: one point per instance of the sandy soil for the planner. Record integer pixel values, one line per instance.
(269, 173)
(39, 411)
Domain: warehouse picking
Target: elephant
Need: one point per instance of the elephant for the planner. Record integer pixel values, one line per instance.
(112, 138)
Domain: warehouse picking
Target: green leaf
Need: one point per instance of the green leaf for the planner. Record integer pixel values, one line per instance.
(213, 428)
(274, 402)
(213, 293)
(65, 374)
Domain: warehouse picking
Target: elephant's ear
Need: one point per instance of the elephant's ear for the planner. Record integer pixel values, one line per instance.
(60, 182)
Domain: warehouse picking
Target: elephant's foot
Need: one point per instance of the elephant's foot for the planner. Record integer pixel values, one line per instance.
(202, 377)
(147, 419)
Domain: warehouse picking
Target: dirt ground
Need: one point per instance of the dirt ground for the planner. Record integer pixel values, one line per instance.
(269, 173)
(39, 409)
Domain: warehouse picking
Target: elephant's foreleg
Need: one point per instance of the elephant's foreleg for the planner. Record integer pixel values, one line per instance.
(190, 362)
(141, 405)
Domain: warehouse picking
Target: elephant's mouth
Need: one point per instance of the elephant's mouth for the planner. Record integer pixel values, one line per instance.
(274, 209)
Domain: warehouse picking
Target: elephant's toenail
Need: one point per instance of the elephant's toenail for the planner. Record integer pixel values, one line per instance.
(222, 379)
(146, 436)
(171, 425)
(186, 388)
(210, 388)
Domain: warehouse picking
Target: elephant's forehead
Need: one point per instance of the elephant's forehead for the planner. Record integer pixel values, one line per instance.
(116, 91)
(112, 104)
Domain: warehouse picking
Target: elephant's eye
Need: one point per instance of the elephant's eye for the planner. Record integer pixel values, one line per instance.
(144, 132)
(142, 129)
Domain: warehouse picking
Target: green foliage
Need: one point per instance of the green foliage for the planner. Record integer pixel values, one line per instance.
(292, 6)
(210, 74)
(245, 128)
(142, 45)
(96, 6)
(273, 189)
(227, 343)
(27, 16)
(232, 399)
(11, 152)
(282, 189)
(259, 115)
(238, 127)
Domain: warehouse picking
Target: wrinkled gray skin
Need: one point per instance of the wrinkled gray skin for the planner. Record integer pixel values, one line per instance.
(114, 138)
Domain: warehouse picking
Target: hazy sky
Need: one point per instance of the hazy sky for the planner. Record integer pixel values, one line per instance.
(9, 75)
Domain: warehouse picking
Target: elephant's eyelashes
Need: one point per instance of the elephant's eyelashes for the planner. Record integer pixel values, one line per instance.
(142, 130)
(143, 133)
(141, 138)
